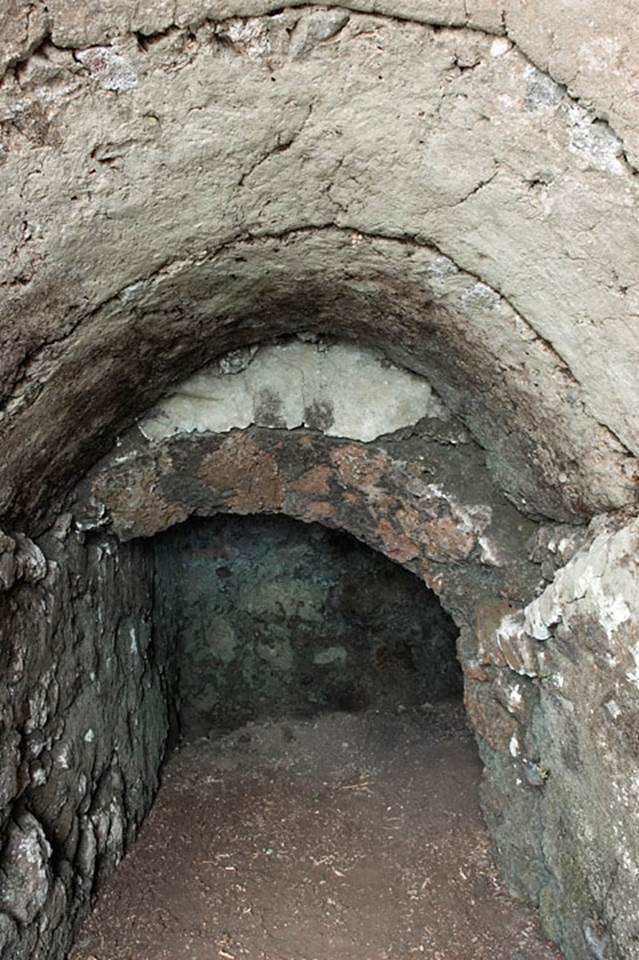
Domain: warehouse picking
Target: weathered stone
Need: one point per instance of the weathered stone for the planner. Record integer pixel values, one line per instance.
(20, 559)
(24, 870)
(583, 735)
(489, 719)
(358, 487)
(108, 67)
(247, 475)
(79, 699)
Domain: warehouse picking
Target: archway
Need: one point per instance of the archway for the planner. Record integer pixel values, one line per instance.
(323, 797)
(421, 494)
(454, 185)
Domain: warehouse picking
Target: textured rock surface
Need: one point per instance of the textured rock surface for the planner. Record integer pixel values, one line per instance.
(275, 618)
(572, 657)
(20, 560)
(423, 496)
(83, 724)
(559, 782)
(586, 46)
(174, 191)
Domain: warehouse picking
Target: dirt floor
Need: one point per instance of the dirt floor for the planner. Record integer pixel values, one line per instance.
(345, 837)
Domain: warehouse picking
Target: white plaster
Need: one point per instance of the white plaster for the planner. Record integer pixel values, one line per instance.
(472, 519)
(633, 675)
(595, 142)
(108, 67)
(511, 634)
(613, 709)
(62, 760)
(250, 34)
(116, 828)
(489, 555)
(362, 395)
(510, 626)
(500, 46)
(603, 579)
(39, 777)
(613, 611)
(515, 697)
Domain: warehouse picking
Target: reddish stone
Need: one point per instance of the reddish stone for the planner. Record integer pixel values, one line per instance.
(249, 474)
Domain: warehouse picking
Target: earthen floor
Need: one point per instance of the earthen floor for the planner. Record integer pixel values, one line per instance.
(344, 837)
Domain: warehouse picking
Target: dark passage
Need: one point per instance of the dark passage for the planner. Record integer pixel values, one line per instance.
(276, 618)
(324, 801)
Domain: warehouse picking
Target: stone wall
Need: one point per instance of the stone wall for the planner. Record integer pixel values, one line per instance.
(573, 655)
(83, 728)
(550, 674)
(421, 495)
(276, 618)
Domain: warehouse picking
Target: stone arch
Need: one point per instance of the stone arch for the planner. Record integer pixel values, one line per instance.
(397, 506)
(426, 501)
(469, 279)
(455, 184)
(429, 505)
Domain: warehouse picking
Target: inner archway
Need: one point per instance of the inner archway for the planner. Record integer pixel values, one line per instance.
(326, 432)
(274, 618)
(324, 797)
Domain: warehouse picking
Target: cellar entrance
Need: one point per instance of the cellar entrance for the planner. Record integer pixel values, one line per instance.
(322, 800)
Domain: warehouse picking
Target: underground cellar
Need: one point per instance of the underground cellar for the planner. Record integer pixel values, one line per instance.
(365, 270)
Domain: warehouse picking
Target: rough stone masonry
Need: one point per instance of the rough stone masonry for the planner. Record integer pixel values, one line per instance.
(439, 197)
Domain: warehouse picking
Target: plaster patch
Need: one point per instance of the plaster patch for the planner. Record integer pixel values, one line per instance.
(613, 611)
(613, 709)
(342, 389)
(500, 46)
(250, 36)
(489, 554)
(515, 697)
(633, 675)
(108, 68)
